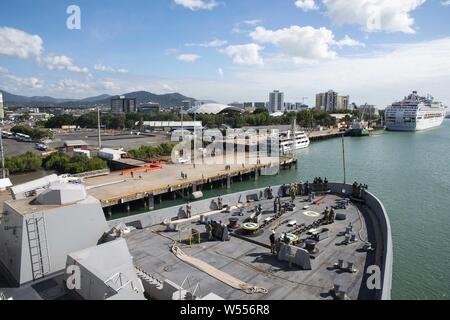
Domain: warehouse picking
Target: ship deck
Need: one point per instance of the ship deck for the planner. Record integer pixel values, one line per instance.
(249, 259)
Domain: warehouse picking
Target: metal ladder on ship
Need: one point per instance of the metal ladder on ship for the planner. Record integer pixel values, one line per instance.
(37, 241)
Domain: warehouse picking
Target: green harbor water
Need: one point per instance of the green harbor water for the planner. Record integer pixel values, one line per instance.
(410, 173)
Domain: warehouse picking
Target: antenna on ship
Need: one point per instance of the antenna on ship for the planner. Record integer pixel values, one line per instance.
(99, 132)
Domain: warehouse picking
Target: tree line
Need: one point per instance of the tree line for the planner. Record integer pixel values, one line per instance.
(147, 152)
(36, 133)
(59, 162)
(261, 117)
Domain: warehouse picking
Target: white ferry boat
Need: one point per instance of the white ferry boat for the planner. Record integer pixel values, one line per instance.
(290, 142)
(414, 113)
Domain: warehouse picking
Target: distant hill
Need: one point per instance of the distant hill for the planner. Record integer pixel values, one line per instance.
(96, 98)
(166, 100)
(17, 100)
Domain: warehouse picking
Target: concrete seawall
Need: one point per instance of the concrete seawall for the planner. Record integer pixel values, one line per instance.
(158, 216)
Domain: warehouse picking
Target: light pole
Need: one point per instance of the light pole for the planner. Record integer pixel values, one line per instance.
(182, 125)
(2, 154)
(99, 132)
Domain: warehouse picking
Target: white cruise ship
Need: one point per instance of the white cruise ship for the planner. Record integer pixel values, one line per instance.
(414, 113)
(290, 143)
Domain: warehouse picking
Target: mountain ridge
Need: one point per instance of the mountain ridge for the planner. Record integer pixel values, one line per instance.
(166, 100)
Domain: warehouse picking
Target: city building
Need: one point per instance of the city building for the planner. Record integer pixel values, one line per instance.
(57, 111)
(288, 106)
(327, 101)
(169, 126)
(2, 111)
(40, 116)
(276, 101)
(121, 104)
(260, 105)
(299, 106)
(187, 104)
(368, 109)
(237, 105)
(150, 107)
(330, 101)
(343, 103)
(28, 110)
(71, 145)
(249, 107)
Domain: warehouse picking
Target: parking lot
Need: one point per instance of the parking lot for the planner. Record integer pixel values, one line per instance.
(112, 139)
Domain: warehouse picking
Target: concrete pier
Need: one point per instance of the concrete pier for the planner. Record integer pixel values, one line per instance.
(115, 188)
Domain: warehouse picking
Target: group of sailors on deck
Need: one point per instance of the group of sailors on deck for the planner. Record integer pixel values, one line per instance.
(320, 184)
(329, 215)
(358, 190)
(275, 242)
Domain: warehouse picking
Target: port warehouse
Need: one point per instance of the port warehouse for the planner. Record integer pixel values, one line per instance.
(73, 244)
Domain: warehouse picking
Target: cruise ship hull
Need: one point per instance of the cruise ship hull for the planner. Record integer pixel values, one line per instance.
(418, 126)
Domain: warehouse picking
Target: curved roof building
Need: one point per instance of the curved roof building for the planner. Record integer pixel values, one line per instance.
(214, 108)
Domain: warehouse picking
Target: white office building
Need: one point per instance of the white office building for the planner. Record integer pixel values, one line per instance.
(276, 101)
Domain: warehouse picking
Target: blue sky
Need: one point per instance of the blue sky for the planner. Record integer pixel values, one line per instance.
(230, 50)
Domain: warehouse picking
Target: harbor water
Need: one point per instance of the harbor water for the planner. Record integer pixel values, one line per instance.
(410, 173)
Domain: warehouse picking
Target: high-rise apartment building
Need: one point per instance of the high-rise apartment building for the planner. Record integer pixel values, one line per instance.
(343, 102)
(276, 101)
(330, 101)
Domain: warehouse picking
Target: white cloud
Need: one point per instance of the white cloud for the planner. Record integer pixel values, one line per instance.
(197, 4)
(220, 72)
(73, 86)
(9, 81)
(104, 68)
(3, 70)
(306, 5)
(374, 15)
(349, 42)
(300, 42)
(167, 88)
(29, 82)
(54, 62)
(216, 43)
(17, 43)
(237, 28)
(445, 3)
(245, 55)
(170, 51)
(188, 57)
(378, 78)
